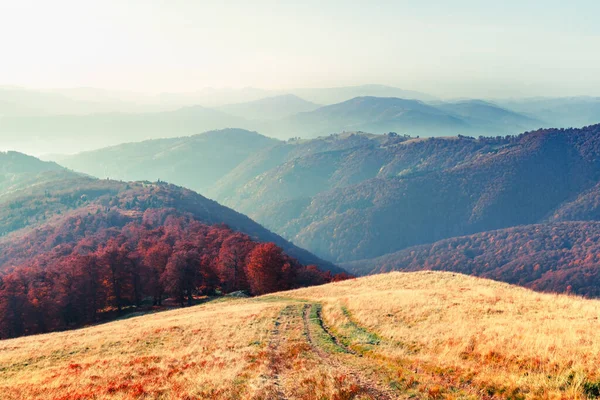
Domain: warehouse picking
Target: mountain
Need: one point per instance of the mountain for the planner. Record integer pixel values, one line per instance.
(561, 112)
(406, 116)
(217, 97)
(275, 107)
(521, 183)
(344, 93)
(195, 162)
(374, 114)
(272, 157)
(283, 185)
(552, 257)
(399, 335)
(380, 197)
(73, 133)
(18, 170)
(490, 118)
(357, 196)
(280, 179)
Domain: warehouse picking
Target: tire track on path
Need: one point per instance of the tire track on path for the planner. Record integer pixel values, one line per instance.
(366, 385)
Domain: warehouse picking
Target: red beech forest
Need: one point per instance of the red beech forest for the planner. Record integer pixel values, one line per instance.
(104, 263)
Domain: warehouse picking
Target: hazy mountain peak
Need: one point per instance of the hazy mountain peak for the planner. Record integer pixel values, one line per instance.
(273, 107)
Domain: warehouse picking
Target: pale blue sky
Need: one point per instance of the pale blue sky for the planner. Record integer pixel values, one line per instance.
(447, 48)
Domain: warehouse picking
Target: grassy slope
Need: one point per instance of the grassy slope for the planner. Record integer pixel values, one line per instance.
(424, 334)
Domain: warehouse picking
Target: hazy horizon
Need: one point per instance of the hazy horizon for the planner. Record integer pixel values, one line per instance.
(466, 49)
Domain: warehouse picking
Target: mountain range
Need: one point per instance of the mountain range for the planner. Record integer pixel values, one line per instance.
(280, 116)
(361, 199)
(366, 200)
(420, 191)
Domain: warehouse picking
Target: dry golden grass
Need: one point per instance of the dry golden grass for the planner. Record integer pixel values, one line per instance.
(413, 335)
(501, 339)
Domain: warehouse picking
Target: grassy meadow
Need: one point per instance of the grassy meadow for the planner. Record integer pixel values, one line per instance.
(425, 335)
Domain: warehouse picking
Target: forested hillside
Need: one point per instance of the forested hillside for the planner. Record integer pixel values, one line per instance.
(559, 257)
(75, 250)
(91, 267)
(278, 183)
(428, 190)
(49, 204)
(355, 196)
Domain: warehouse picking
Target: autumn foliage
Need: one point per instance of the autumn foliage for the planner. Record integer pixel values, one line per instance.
(556, 257)
(98, 265)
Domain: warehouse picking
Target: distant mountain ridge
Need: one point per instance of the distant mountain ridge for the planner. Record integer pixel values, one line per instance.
(562, 112)
(275, 107)
(72, 132)
(375, 114)
(340, 94)
(406, 116)
(195, 162)
(283, 116)
(489, 117)
(18, 171)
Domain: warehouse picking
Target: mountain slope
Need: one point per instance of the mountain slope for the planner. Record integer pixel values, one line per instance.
(379, 197)
(522, 183)
(18, 170)
(558, 257)
(414, 335)
(195, 162)
(490, 118)
(271, 159)
(54, 203)
(561, 112)
(330, 164)
(77, 250)
(275, 107)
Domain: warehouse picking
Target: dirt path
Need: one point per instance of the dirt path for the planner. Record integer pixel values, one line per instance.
(270, 385)
(367, 386)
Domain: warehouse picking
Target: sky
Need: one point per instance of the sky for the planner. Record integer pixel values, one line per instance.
(460, 48)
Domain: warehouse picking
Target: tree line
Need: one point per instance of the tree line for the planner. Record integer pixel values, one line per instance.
(105, 269)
